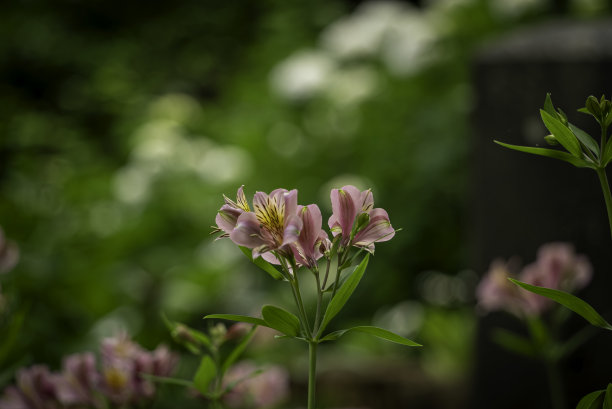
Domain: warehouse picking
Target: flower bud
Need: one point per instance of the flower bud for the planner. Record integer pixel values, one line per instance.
(551, 140)
(592, 104)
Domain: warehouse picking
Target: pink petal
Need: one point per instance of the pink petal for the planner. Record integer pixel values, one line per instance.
(344, 209)
(247, 231)
(378, 229)
(293, 226)
(227, 217)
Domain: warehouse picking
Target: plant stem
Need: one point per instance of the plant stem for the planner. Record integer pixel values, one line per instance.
(605, 187)
(300, 302)
(312, 373)
(315, 327)
(556, 387)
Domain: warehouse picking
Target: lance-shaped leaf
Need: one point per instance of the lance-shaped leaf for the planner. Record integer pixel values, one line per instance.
(593, 400)
(343, 294)
(607, 404)
(586, 139)
(167, 380)
(239, 318)
(570, 301)
(281, 320)
(550, 153)
(548, 105)
(238, 350)
(607, 155)
(263, 264)
(205, 374)
(377, 332)
(562, 134)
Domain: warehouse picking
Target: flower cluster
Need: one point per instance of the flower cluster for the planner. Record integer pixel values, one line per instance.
(557, 266)
(80, 383)
(279, 227)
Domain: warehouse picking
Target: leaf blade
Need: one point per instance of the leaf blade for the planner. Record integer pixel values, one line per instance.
(343, 294)
(281, 320)
(239, 318)
(562, 134)
(206, 372)
(376, 331)
(586, 139)
(549, 153)
(570, 301)
(593, 400)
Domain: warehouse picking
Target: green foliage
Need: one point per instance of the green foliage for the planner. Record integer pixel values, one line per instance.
(570, 301)
(377, 332)
(343, 294)
(281, 320)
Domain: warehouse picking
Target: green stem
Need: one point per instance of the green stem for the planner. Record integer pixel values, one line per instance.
(556, 385)
(319, 302)
(300, 302)
(605, 187)
(312, 373)
(341, 260)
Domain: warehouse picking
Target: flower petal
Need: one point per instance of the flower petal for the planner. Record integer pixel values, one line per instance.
(344, 209)
(247, 231)
(378, 229)
(227, 217)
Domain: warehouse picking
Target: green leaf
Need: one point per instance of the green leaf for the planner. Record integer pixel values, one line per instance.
(607, 404)
(550, 153)
(239, 318)
(377, 332)
(593, 400)
(607, 156)
(343, 294)
(237, 351)
(168, 380)
(281, 320)
(570, 301)
(562, 134)
(235, 383)
(548, 105)
(263, 264)
(586, 139)
(584, 110)
(513, 342)
(205, 374)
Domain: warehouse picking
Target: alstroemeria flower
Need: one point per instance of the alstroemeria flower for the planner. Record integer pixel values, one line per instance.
(272, 226)
(312, 239)
(348, 203)
(227, 217)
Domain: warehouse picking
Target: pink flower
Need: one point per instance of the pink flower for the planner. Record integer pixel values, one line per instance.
(9, 254)
(348, 206)
(557, 267)
(312, 240)
(227, 217)
(265, 390)
(273, 225)
(79, 380)
(495, 292)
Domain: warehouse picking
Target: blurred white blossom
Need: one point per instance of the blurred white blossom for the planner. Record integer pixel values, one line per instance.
(302, 75)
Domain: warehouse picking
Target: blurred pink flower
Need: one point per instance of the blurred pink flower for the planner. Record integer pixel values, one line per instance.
(272, 226)
(495, 292)
(79, 381)
(348, 204)
(557, 266)
(265, 390)
(9, 254)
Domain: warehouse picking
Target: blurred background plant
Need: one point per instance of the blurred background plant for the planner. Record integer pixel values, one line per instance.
(122, 124)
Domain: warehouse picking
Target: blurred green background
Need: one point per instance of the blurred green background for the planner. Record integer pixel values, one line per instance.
(123, 123)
